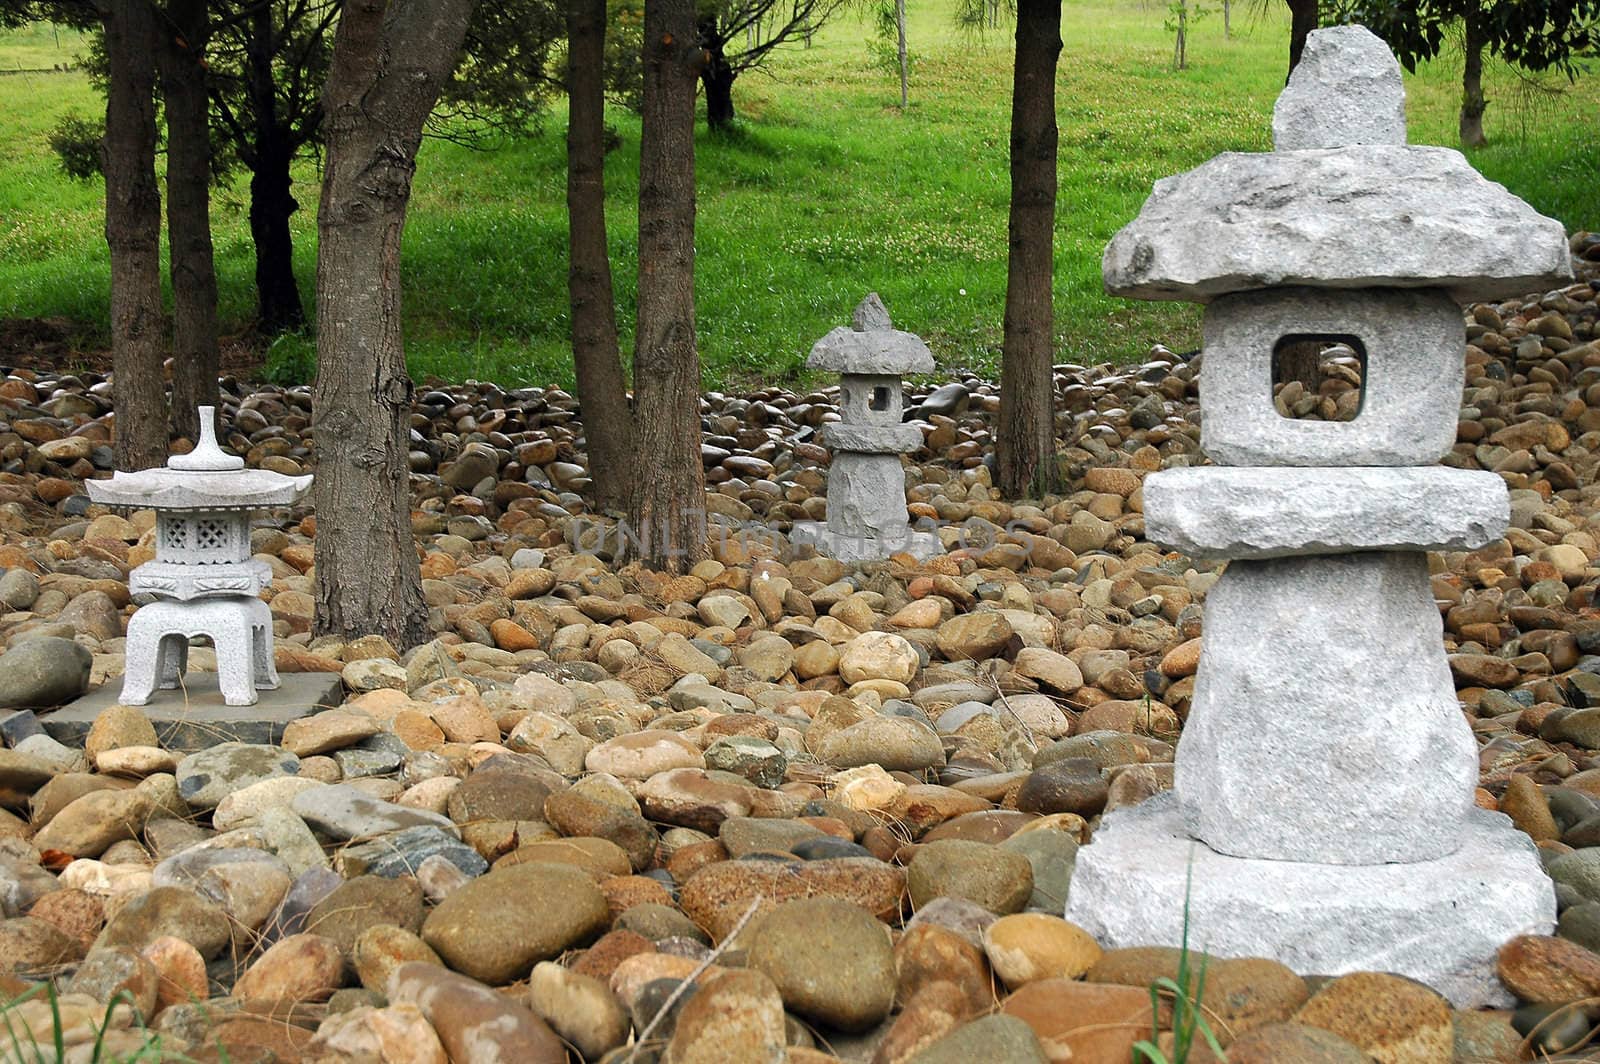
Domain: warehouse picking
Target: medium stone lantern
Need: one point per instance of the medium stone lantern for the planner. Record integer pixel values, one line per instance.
(1323, 812)
(203, 580)
(866, 482)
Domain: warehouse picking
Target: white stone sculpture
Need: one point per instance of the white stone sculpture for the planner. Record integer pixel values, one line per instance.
(1323, 811)
(866, 482)
(203, 580)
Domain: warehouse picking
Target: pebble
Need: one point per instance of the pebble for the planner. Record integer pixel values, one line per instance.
(579, 1008)
(737, 1015)
(487, 930)
(995, 879)
(830, 960)
(676, 747)
(295, 969)
(473, 1022)
(1025, 947)
(42, 672)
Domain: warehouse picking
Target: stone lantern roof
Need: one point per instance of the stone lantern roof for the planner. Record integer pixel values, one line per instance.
(1343, 202)
(871, 346)
(207, 478)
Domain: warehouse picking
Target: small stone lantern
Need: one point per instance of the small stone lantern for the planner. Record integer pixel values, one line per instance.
(1323, 813)
(203, 580)
(866, 482)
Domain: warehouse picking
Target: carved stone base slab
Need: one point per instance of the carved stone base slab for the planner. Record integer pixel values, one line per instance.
(194, 717)
(1439, 922)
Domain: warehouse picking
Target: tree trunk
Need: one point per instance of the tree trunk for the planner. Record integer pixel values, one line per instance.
(133, 234)
(596, 357)
(1302, 20)
(390, 59)
(1180, 53)
(900, 48)
(717, 77)
(194, 278)
(1025, 447)
(1473, 103)
(1299, 360)
(278, 305)
(1227, 20)
(667, 508)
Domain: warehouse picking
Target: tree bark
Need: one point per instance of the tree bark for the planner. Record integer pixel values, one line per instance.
(900, 49)
(1473, 103)
(717, 76)
(194, 278)
(1025, 446)
(133, 233)
(1302, 20)
(667, 508)
(278, 305)
(390, 60)
(596, 356)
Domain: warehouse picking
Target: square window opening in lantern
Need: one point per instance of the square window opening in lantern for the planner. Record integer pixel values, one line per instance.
(1319, 376)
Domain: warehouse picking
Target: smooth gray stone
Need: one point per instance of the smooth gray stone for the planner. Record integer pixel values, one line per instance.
(1252, 513)
(960, 714)
(1370, 215)
(46, 671)
(340, 811)
(1411, 391)
(1324, 725)
(210, 775)
(878, 439)
(1346, 89)
(1440, 922)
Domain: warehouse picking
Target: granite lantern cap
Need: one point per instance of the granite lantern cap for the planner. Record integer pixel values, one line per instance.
(871, 346)
(870, 356)
(207, 478)
(1343, 202)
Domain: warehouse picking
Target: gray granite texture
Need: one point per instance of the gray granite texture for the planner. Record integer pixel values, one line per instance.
(1324, 725)
(1439, 922)
(871, 345)
(1346, 89)
(1371, 215)
(1411, 386)
(872, 439)
(1225, 512)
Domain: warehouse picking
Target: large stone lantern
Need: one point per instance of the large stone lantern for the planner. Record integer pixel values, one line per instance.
(866, 482)
(1324, 779)
(203, 580)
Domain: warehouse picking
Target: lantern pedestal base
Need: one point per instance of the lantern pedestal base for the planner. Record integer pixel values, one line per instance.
(847, 548)
(195, 716)
(1440, 922)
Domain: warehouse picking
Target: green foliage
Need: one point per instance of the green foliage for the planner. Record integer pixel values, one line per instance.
(883, 46)
(509, 73)
(831, 192)
(27, 1046)
(291, 359)
(76, 142)
(1185, 993)
(625, 53)
(1532, 34)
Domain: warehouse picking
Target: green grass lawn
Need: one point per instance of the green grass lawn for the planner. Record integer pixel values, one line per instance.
(826, 191)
